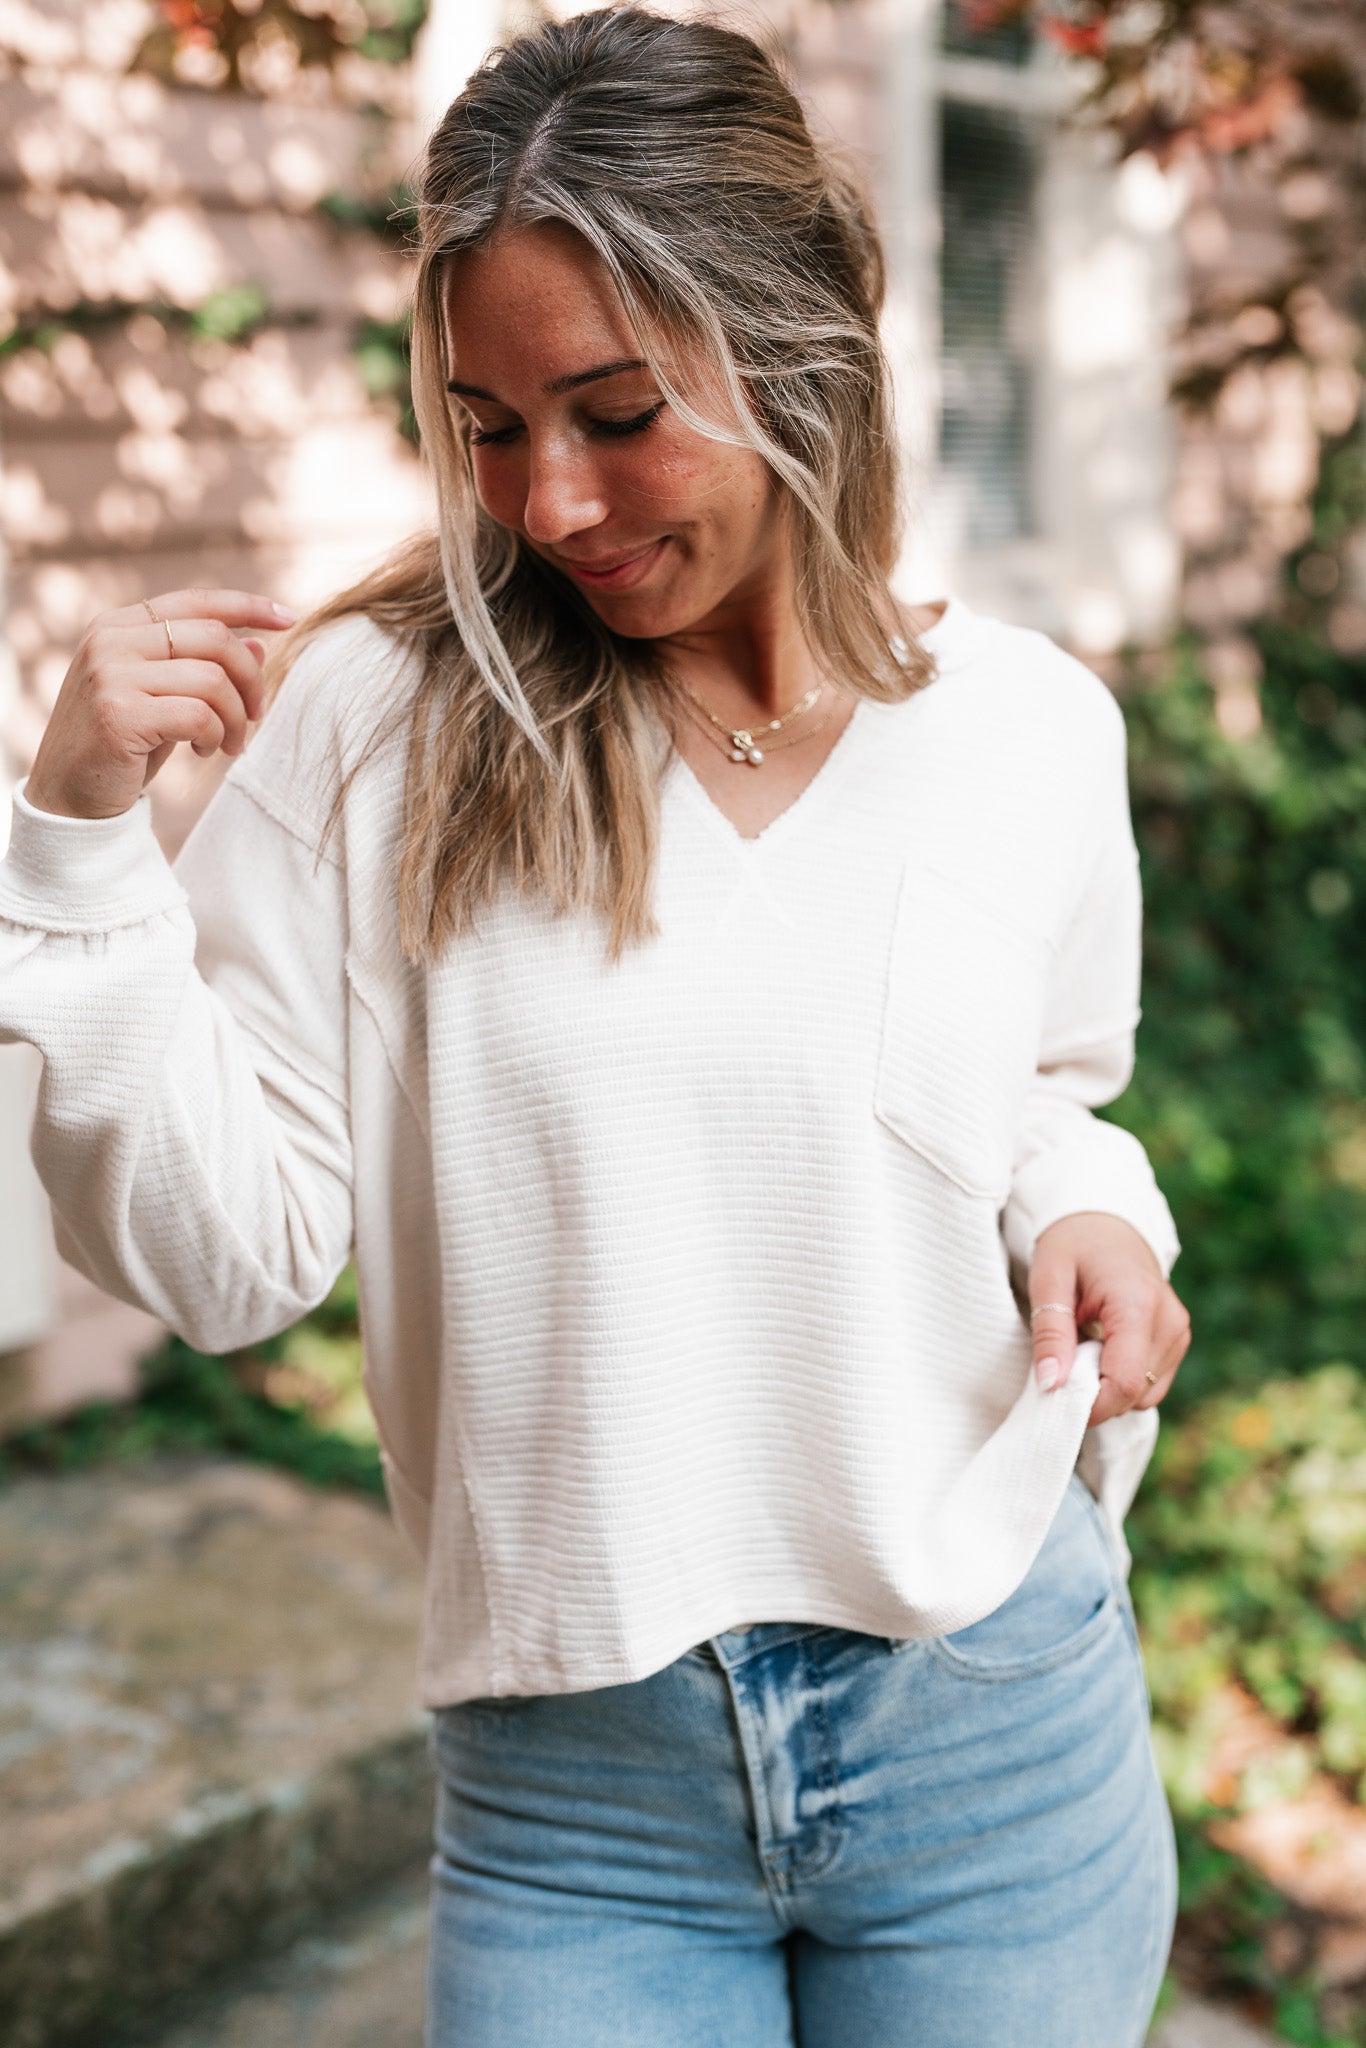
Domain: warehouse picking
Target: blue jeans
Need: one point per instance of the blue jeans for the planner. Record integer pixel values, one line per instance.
(805, 1837)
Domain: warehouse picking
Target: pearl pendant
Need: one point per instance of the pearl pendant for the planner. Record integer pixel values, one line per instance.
(753, 756)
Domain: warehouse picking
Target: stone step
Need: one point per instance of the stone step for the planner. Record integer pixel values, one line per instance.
(356, 1983)
(208, 1731)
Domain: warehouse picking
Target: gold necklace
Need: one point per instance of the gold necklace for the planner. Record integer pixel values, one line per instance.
(740, 742)
(754, 755)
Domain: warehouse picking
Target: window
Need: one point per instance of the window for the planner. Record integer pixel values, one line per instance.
(987, 186)
(989, 151)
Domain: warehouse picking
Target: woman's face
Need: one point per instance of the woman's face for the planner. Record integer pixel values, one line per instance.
(574, 448)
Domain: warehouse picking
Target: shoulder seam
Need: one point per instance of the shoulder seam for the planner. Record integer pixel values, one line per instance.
(277, 816)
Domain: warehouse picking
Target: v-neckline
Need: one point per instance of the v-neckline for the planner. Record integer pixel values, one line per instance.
(942, 638)
(831, 771)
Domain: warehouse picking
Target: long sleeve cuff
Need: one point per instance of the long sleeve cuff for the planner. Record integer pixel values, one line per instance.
(84, 874)
(1114, 1177)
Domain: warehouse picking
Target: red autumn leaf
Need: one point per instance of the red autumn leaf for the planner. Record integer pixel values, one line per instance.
(1077, 38)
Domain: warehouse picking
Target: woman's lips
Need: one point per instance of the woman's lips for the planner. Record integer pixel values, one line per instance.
(622, 574)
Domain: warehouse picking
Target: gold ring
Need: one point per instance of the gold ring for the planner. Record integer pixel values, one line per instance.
(165, 624)
(1061, 1306)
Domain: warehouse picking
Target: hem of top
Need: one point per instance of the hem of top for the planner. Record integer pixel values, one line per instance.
(434, 1694)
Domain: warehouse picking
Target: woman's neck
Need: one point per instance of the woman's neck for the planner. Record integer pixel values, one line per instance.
(749, 656)
(750, 660)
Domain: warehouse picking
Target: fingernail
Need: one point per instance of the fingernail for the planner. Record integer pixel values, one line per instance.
(1048, 1372)
(282, 611)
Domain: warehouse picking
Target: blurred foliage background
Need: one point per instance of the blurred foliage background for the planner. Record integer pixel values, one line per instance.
(1249, 1080)
(1249, 1535)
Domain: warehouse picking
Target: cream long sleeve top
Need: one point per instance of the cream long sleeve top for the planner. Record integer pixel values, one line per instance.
(685, 1282)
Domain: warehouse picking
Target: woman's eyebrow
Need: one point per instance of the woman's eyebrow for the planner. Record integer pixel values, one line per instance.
(560, 385)
(557, 386)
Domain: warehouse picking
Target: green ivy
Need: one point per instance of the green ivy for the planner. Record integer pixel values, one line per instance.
(392, 29)
(233, 314)
(1251, 1065)
(380, 351)
(295, 1401)
(1249, 1543)
(391, 216)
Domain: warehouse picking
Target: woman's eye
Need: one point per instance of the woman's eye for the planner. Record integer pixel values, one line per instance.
(498, 437)
(635, 425)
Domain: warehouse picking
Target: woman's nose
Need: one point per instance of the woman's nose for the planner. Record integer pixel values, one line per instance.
(563, 495)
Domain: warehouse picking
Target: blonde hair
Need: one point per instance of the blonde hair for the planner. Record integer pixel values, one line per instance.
(679, 154)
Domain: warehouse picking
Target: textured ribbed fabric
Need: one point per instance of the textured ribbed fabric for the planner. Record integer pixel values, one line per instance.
(685, 1282)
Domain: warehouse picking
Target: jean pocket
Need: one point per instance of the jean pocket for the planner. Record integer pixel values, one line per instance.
(1067, 1601)
(961, 1022)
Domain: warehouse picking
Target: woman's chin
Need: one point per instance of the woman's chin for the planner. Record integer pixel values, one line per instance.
(641, 614)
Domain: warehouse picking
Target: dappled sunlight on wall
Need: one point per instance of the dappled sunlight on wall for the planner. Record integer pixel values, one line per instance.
(181, 399)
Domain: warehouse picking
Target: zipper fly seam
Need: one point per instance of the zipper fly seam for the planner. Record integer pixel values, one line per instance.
(832, 1821)
(749, 1725)
(780, 1860)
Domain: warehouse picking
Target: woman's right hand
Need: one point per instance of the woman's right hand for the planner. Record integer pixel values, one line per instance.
(124, 701)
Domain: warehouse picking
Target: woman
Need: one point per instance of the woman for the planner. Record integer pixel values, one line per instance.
(685, 978)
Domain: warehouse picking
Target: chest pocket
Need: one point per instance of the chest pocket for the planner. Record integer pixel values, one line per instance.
(960, 1031)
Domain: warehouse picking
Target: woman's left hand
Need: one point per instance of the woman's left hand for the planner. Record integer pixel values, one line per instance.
(1098, 1267)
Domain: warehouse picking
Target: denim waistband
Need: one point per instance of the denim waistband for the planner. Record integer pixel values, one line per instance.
(735, 1646)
